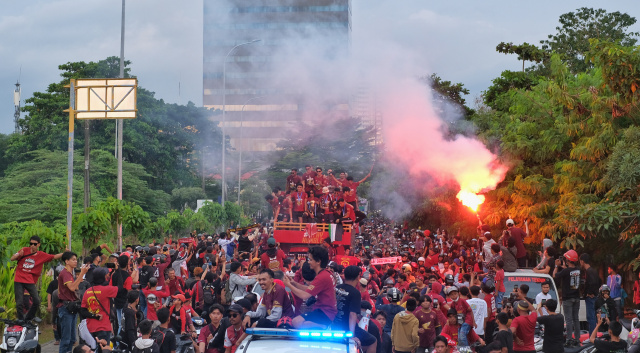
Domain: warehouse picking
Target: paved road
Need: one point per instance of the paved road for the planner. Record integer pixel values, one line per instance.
(49, 347)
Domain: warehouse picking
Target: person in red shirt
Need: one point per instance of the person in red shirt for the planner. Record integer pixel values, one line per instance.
(454, 330)
(326, 202)
(96, 304)
(156, 296)
(235, 332)
(353, 185)
(299, 201)
(319, 181)
(174, 283)
(275, 206)
(322, 287)
(523, 327)
(293, 180)
(273, 258)
(346, 214)
(308, 178)
(491, 324)
(463, 309)
(285, 208)
(402, 284)
(28, 271)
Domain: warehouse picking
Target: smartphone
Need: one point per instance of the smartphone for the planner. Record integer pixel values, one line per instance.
(515, 288)
(603, 315)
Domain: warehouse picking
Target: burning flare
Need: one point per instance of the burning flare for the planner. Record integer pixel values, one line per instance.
(470, 199)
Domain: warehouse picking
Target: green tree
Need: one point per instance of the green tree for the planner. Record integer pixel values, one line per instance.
(182, 198)
(448, 92)
(577, 28)
(92, 226)
(525, 52)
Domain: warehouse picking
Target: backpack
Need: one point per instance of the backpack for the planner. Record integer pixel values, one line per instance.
(158, 335)
(208, 294)
(227, 291)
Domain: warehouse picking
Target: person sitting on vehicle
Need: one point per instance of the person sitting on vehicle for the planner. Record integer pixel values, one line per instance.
(464, 311)
(553, 327)
(614, 344)
(275, 303)
(454, 330)
(145, 344)
(606, 305)
(322, 288)
(391, 309)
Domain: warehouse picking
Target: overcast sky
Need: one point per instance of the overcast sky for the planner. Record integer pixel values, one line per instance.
(163, 39)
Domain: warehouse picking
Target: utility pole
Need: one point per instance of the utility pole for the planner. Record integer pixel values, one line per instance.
(87, 190)
(120, 124)
(16, 102)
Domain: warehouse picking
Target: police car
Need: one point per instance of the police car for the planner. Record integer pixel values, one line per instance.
(263, 340)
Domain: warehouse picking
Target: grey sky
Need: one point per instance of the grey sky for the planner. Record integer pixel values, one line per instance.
(164, 39)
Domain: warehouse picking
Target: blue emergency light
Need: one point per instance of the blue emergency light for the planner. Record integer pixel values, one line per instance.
(300, 333)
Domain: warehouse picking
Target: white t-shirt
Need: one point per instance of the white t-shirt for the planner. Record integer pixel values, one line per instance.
(479, 308)
(539, 298)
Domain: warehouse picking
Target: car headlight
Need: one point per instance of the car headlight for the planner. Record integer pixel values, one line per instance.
(11, 341)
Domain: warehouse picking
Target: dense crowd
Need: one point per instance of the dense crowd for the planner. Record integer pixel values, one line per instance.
(398, 290)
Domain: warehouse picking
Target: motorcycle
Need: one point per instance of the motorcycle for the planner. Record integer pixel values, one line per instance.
(198, 323)
(20, 336)
(184, 344)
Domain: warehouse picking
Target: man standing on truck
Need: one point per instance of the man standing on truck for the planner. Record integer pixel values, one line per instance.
(569, 277)
(518, 235)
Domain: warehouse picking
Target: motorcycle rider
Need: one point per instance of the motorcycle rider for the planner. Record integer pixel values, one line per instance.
(145, 344)
(390, 309)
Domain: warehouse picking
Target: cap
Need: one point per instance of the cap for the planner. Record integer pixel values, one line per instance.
(114, 255)
(179, 296)
(421, 258)
(452, 311)
(363, 281)
(236, 308)
(510, 221)
(271, 241)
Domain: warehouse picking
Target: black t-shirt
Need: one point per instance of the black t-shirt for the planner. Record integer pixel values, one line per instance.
(244, 244)
(53, 285)
(375, 332)
(147, 272)
(603, 346)
(169, 343)
(348, 301)
(553, 333)
(570, 280)
(505, 337)
(176, 321)
(592, 282)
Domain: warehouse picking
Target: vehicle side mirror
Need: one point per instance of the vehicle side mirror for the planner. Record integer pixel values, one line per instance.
(37, 320)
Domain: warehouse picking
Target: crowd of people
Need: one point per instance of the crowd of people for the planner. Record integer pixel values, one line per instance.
(317, 198)
(418, 291)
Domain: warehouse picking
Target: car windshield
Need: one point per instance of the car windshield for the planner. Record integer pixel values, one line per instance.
(534, 284)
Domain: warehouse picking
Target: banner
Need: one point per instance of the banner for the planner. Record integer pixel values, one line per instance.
(386, 260)
(235, 230)
(346, 260)
(187, 241)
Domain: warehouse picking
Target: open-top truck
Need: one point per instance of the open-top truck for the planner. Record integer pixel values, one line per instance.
(296, 238)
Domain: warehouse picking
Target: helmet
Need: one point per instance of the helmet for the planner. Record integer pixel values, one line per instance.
(605, 288)
(571, 255)
(488, 286)
(450, 289)
(389, 282)
(151, 298)
(448, 279)
(421, 259)
(414, 265)
(285, 322)
(394, 294)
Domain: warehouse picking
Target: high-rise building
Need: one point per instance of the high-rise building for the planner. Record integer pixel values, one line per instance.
(262, 100)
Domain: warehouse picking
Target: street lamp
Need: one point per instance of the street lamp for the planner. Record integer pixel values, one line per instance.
(224, 106)
(240, 143)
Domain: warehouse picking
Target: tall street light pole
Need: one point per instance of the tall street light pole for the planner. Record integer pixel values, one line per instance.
(224, 108)
(120, 125)
(240, 144)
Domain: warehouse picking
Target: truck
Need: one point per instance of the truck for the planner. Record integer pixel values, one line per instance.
(297, 238)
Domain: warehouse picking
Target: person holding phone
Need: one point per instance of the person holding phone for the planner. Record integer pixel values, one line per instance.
(542, 297)
(553, 327)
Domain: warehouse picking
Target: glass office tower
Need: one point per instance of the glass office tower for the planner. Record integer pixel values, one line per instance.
(264, 77)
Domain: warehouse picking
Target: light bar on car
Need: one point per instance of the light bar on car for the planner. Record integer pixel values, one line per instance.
(299, 333)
